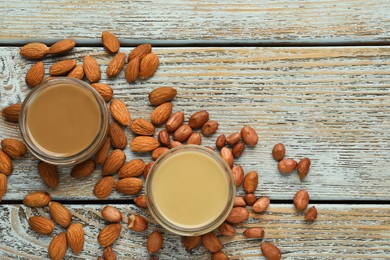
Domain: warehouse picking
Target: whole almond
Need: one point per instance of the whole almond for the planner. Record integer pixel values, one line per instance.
(109, 234)
(154, 242)
(303, 167)
(35, 74)
(161, 95)
(119, 112)
(287, 166)
(116, 65)
(174, 144)
(140, 51)
(11, 112)
(60, 214)
(6, 165)
(254, 232)
(278, 152)
(137, 223)
(41, 225)
(104, 90)
(227, 230)
(110, 41)
(301, 200)
(142, 126)
(238, 175)
(77, 72)
(75, 237)
(233, 139)
(13, 148)
(129, 186)
(270, 251)
(237, 215)
(37, 199)
(195, 138)
(102, 154)
(219, 256)
(91, 69)
(163, 137)
(249, 136)
(62, 67)
(147, 169)
(111, 214)
(158, 152)
(148, 66)
(175, 121)
(182, 133)
(61, 47)
(142, 144)
(238, 149)
(211, 242)
(140, 201)
(114, 162)
(227, 155)
(58, 246)
(132, 70)
(49, 174)
(198, 119)
(3, 185)
(239, 202)
(191, 242)
(221, 141)
(133, 168)
(109, 254)
(34, 50)
(250, 181)
(104, 187)
(261, 205)
(161, 113)
(250, 199)
(311, 214)
(117, 136)
(83, 169)
(209, 128)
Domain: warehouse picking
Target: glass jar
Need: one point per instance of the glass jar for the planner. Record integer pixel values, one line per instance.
(190, 190)
(55, 121)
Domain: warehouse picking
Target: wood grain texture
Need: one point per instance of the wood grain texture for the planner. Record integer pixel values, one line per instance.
(329, 104)
(341, 231)
(243, 21)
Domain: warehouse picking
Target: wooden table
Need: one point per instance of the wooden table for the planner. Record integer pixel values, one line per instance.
(314, 75)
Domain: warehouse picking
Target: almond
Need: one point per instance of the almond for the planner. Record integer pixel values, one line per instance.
(175, 121)
(117, 136)
(182, 133)
(58, 246)
(174, 144)
(191, 242)
(158, 152)
(227, 155)
(62, 67)
(133, 168)
(35, 74)
(250, 181)
(3, 185)
(163, 137)
(60, 214)
(270, 251)
(161, 113)
(147, 169)
(261, 204)
(37, 199)
(11, 112)
(278, 152)
(129, 186)
(137, 223)
(221, 141)
(142, 144)
(41, 225)
(301, 200)
(13, 148)
(198, 119)
(102, 154)
(161, 95)
(109, 234)
(109, 254)
(232, 139)
(238, 149)
(209, 128)
(119, 112)
(114, 162)
(195, 138)
(227, 230)
(287, 166)
(211, 242)
(111, 214)
(104, 90)
(62, 47)
(148, 65)
(140, 51)
(311, 214)
(83, 169)
(237, 215)
(110, 41)
(91, 69)
(254, 232)
(239, 202)
(49, 174)
(140, 201)
(219, 256)
(132, 70)
(249, 136)
(77, 72)
(238, 175)
(75, 237)
(250, 199)
(116, 65)
(303, 167)
(154, 242)
(34, 50)
(104, 187)
(6, 165)
(141, 126)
